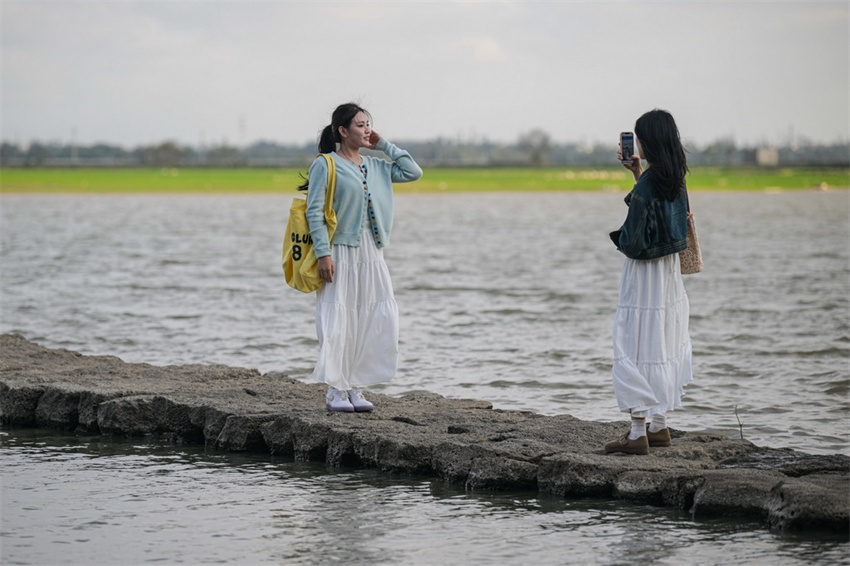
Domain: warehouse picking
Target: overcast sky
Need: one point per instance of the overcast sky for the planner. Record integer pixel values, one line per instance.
(135, 73)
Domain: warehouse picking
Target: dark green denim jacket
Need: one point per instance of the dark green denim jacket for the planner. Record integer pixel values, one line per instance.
(654, 227)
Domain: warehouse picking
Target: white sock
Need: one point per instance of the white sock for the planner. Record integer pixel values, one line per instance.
(638, 428)
(658, 422)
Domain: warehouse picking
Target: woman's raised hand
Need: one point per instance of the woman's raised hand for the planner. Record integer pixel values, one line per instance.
(374, 138)
(632, 164)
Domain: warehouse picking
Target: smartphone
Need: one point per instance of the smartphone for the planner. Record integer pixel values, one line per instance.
(627, 144)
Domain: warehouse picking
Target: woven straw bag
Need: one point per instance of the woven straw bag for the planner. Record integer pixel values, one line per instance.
(691, 258)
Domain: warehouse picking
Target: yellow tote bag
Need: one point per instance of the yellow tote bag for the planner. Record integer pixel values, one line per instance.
(300, 265)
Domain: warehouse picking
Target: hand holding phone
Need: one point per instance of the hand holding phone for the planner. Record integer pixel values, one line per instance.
(627, 154)
(627, 146)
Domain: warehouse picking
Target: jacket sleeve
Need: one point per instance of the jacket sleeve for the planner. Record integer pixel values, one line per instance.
(632, 238)
(317, 179)
(404, 168)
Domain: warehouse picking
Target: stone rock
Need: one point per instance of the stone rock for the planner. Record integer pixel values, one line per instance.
(462, 441)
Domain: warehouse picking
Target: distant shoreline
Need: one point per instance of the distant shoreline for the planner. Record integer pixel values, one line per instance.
(167, 180)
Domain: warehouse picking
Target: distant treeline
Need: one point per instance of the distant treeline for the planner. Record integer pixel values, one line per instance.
(534, 149)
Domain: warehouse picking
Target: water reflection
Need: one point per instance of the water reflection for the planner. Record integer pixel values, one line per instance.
(66, 500)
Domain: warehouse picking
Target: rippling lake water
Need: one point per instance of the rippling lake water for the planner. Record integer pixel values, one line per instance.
(508, 298)
(504, 297)
(103, 501)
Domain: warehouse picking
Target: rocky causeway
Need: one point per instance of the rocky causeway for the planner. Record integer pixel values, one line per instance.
(462, 441)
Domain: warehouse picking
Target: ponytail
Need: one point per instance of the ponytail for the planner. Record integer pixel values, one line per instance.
(327, 144)
(329, 137)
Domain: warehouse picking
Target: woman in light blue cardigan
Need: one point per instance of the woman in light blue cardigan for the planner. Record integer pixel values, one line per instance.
(356, 311)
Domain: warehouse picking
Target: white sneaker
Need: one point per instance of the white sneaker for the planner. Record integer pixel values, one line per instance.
(337, 401)
(359, 402)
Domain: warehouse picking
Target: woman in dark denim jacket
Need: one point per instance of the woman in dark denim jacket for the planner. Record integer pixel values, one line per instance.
(652, 347)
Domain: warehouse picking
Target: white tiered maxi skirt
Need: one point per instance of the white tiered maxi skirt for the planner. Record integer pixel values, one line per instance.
(652, 347)
(357, 319)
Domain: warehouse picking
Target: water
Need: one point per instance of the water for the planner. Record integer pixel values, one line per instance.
(508, 298)
(503, 297)
(98, 500)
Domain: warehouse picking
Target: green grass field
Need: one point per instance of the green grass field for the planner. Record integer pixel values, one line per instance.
(434, 180)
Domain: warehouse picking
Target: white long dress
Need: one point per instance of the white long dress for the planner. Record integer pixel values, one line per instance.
(357, 319)
(652, 347)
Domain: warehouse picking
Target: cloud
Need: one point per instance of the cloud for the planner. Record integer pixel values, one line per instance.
(141, 72)
(482, 49)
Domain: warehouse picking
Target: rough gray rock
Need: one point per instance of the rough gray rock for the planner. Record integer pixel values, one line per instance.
(462, 441)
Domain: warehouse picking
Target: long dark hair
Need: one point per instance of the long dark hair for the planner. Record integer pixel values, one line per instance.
(663, 150)
(329, 137)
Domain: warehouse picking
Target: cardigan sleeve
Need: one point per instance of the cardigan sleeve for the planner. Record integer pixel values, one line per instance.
(404, 168)
(317, 179)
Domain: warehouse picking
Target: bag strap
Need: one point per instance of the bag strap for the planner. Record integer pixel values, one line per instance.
(329, 193)
(687, 200)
